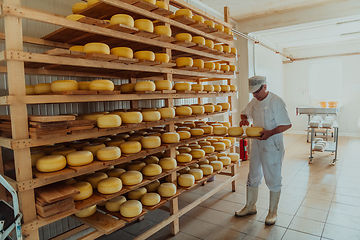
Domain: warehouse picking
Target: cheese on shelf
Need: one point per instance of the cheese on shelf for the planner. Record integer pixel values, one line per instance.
(167, 189)
(97, 47)
(108, 153)
(183, 12)
(208, 149)
(219, 146)
(183, 111)
(127, 88)
(87, 212)
(197, 173)
(35, 155)
(162, 4)
(64, 85)
(150, 142)
(151, 170)
(113, 205)
(145, 25)
(236, 131)
(122, 19)
(95, 178)
(217, 165)
(144, 86)
(131, 208)
(151, 159)
(184, 61)
(220, 130)
(108, 121)
(85, 189)
(131, 177)
(101, 85)
(136, 166)
(151, 116)
(199, 40)
(115, 172)
(183, 37)
(184, 157)
(197, 153)
(51, 163)
(198, 18)
(234, 157)
(170, 137)
(207, 169)
(109, 185)
(167, 163)
(152, 187)
(196, 132)
(163, 30)
(131, 117)
(137, 193)
(79, 158)
(150, 199)
(225, 160)
(163, 84)
(77, 7)
(186, 180)
(122, 52)
(42, 88)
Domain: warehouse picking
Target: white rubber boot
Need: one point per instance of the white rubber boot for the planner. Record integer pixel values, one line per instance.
(274, 201)
(251, 198)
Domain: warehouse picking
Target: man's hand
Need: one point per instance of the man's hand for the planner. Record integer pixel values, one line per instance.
(266, 134)
(279, 129)
(244, 121)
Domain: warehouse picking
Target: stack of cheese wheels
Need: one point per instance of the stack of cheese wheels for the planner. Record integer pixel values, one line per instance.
(186, 180)
(207, 169)
(131, 177)
(93, 147)
(95, 178)
(35, 155)
(150, 199)
(51, 163)
(234, 157)
(42, 88)
(122, 19)
(184, 157)
(208, 149)
(184, 135)
(79, 158)
(167, 189)
(184, 62)
(130, 147)
(197, 109)
(236, 131)
(131, 208)
(144, 24)
(127, 88)
(116, 172)
(196, 132)
(151, 116)
(182, 86)
(217, 165)
(197, 173)
(219, 146)
(183, 111)
(96, 48)
(197, 153)
(122, 52)
(225, 160)
(109, 185)
(136, 166)
(163, 85)
(144, 86)
(108, 153)
(62, 151)
(113, 205)
(101, 85)
(167, 112)
(85, 189)
(151, 170)
(152, 187)
(150, 142)
(170, 137)
(87, 212)
(64, 85)
(220, 130)
(137, 193)
(254, 131)
(167, 163)
(131, 117)
(108, 121)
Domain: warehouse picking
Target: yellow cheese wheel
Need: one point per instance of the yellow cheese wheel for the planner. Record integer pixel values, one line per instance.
(210, 65)
(197, 153)
(219, 146)
(184, 157)
(183, 128)
(217, 67)
(217, 108)
(163, 30)
(183, 37)
(131, 117)
(163, 84)
(152, 187)
(186, 180)
(150, 199)
(64, 85)
(209, 23)
(225, 106)
(122, 19)
(193, 166)
(35, 155)
(122, 52)
(113, 205)
(131, 177)
(198, 63)
(131, 208)
(93, 147)
(135, 138)
(221, 154)
(144, 86)
(217, 165)
(144, 55)
(204, 143)
(92, 2)
(184, 135)
(151, 170)
(184, 61)
(151, 116)
(207, 169)
(227, 30)
(218, 47)
(197, 87)
(167, 112)
(95, 178)
(42, 88)
(136, 166)
(130, 147)
(226, 141)
(211, 140)
(77, 7)
(225, 67)
(209, 108)
(162, 4)
(151, 159)
(167, 163)
(30, 89)
(219, 27)
(198, 18)
(183, 12)
(198, 40)
(77, 48)
(254, 131)
(115, 143)
(184, 149)
(232, 139)
(208, 149)
(127, 88)
(233, 88)
(79, 158)
(74, 17)
(144, 24)
(101, 85)
(97, 48)
(233, 68)
(150, 142)
(207, 129)
(184, 170)
(87, 212)
(225, 160)
(196, 132)
(85, 189)
(108, 153)
(183, 111)
(137, 193)
(61, 151)
(84, 85)
(209, 43)
(167, 189)
(109, 185)
(236, 131)
(226, 48)
(170, 137)
(233, 50)
(194, 146)
(225, 88)
(197, 109)
(213, 158)
(197, 173)
(51, 163)
(115, 172)
(182, 86)
(234, 157)
(108, 121)
(209, 88)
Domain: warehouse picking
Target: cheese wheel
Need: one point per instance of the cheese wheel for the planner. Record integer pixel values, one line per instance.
(233, 88)
(183, 37)
(150, 199)
(218, 108)
(61, 151)
(79, 158)
(196, 132)
(77, 48)
(151, 159)
(183, 128)
(30, 89)
(143, 86)
(182, 86)
(197, 109)
(163, 84)
(225, 160)
(42, 88)
(197, 87)
(77, 7)
(108, 153)
(209, 65)
(135, 138)
(64, 85)
(226, 48)
(184, 135)
(130, 147)
(233, 68)
(183, 111)
(198, 18)
(225, 88)
(194, 146)
(217, 165)
(78, 145)
(184, 149)
(219, 27)
(225, 67)
(51, 163)
(115, 143)
(221, 154)
(163, 30)
(219, 146)
(208, 149)
(209, 43)
(101, 85)
(162, 4)
(85, 189)
(204, 143)
(198, 40)
(127, 88)
(225, 106)
(113, 205)
(97, 48)
(170, 137)
(109, 185)
(220, 130)
(35, 156)
(227, 30)
(145, 55)
(116, 172)
(213, 158)
(236, 131)
(209, 23)
(167, 163)
(194, 166)
(87, 212)
(254, 131)
(131, 208)
(167, 189)
(233, 50)
(186, 180)
(122, 19)
(144, 25)
(184, 61)
(150, 142)
(84, 85)
(92, 116)
(137, 193)
(152, 187)
(74, 17)
(151, 170)
(207, 169)
(198, 63)
(209, 108)
(136, 166)
(167, 112)
(226, 141)
(151, 116)
(197, 153)
(131, 117)
(219, 48)
(217, 67)
(95, 178)
(209, 88)
(122, 52)
(207, 129)
(131, 177)
(108, 121)
(184, 157)
(183, 12)
(197, 173)
(234, 157)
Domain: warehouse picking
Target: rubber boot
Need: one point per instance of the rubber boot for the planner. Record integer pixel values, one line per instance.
(251, 198)
(274, 201)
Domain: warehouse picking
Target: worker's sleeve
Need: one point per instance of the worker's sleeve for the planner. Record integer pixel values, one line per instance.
(281, 114)
(248, 109)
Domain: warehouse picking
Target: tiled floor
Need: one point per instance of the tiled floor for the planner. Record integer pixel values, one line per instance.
(318, 201)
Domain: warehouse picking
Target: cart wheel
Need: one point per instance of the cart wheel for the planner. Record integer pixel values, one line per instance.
(310, 160)
(333, 162)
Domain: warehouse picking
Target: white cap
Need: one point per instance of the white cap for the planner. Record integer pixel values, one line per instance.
(255, 83)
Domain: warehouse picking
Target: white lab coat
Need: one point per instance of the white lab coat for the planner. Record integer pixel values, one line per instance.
(267, 155)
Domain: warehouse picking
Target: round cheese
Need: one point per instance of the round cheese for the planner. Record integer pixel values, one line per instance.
(151, 159)
(186, 180)
(74, 17)
(225, 88)
(135, 138)
(85, 189)
(184, 157)
(163, 84)
(183, 129)
(145, 55)
(254, 131)
(162, 4)
(51, 163)
(167, 189)
(209, 88)
(30, 89)
(194, 146)
(170, 137)
(226, 141)
(194, 166)
(217, 165)
(137, 193)
(207, 129)
(210, 65)
(127, 88)
(220, 130)
(108, 121)
(131, 117)
(151, 116)
(77, 7)
(109, 185)
(115, 172)
(150, 199)
(225, 67)
(198, 40)
(93, 147)
(151, 170)
(219, 48)
(219, 27)
(217, 67)
(145, 25)
(218, 108)
(197, 109)
(198, 18)
(113, 205)
(87, 212)
(184, 149)
(115, 143)
(136, 166)
(122, 52)
(197, 173)
(35, 155)
(196, 132)
(122, 19)
(209, 108)
(97, 48)
(221, 154)
(183, 37)
(101, 85)
(167, 163)
(198, 63)
(204, 143)
(226, 48)
(233, 50)
(208, 149)
(225, 106)
(197, 153)
(130, 147)
(219, 146)
(184, 135)
(207, 169)
(131, 177)
(209, 23)
(184, 170)
(232, 140)
(184, 61)
(209, 43)
(108, 153)
(77, 48)
(152, 187)
(183, 12)
(163, 30)
(183, 111)
(182, 86)
(79, 158)
(227, 30)
(61, 151)
(225, 160)
(64, 85)
(233, 68)
(197, 87)
(131, 208)
(150, 142)
(42, 88)
(236, 131)
(95, 178)
(167, 112)
(143, 86)
(213, 158)
(234, 157)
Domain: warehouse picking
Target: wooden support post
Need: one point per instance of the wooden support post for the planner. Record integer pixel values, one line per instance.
(227, 14)
(2, 189)
(233, 173)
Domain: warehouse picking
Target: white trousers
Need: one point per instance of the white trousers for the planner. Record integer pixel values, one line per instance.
(266, 161)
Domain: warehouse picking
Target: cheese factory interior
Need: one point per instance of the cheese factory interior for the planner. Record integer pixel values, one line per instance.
(179, 119)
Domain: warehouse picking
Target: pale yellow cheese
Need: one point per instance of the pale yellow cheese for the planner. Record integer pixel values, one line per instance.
(204, 143)
(197, 87)
(209, 43)
(209, 88)
(226, 141)
(225, 88)
(184, 157)
(108, 121)
(186, 180)
(227, 30)
(213, 158)
(197, 153)
(232, 139)
(151, 159)
(184, 61)
(219, 48)
(194, 166)
(217, 165)
(116, 172)
(113, 205)
(131, 117)
(151, 170)
(225, 67)
(184, 149)
(208, 149)
(204, 162)
(183, 37)
(151, 116)
(85, 189)
(219, 27)
(115, 143)
(122, 19)
(207, 169)
(217, 67)
(131, 177)
(196, 132)
(163, 84)
(236, 131)
(183, 111)
(209, 23)
(221, 154)
(109, 185)
(209, 108)
(194, 146)
(182, 86)
(137, 193)
(220, 130)
(77, 7)
(197, 109)
(184, 170)
(79, 158)
(64, 85)
(122, 52)
(145, 25)
(87, 212)
(225, 106)
(51, 163)
(95, 178)
(234, 157)
(42, 88)
(62, 151)
(233, 68)
(183, 12)
(218, 108)
(101, 85)
(30, 89)
(131, 208)
(35, 155)
(74, 17)
(198, 18)
(198, 40)
(162, 4)
(210, 65)
(225, 160)
(219, 146)
(163, 30)
(170, 137)
(136, 166)
(197, 173)
(97, 47)
(151, 142)
(127, 88)
(167, 189)
(77, 48)
(150, 199)
(254, 131)
(184, 135)
(233, 50)
(93, 147)
(108, 153)
(143, 86)
(167, 163)
(198, 63)
(152, 187)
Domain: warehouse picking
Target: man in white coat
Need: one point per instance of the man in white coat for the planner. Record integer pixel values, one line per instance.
(268, 111)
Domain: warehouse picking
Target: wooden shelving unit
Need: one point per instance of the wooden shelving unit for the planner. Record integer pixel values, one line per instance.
(91, 29)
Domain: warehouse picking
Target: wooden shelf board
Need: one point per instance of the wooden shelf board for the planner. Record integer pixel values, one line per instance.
(145, 5)
(123, 28)
(152, 208)
(162, 12)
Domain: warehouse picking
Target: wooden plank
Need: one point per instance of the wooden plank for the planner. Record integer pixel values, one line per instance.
(100, 57)
(145, 34)
(91, 201)
(184, 20)
(145, 5)
(47, 133)
(125, 60)
(91, 167)
(43, 118)
(133, 219)
(55, 192)
(65, 53)
(46, 129)
(147, 63)
(163, 12)
(55, 208)
(123, 28)
(152, 208)
(164, 38)
(184, 43)
(73, 92)
(71, 129)
(164, 64)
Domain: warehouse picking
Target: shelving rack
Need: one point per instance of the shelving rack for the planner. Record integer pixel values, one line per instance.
(19, 63)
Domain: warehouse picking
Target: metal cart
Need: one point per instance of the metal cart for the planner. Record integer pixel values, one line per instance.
(332, 146)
